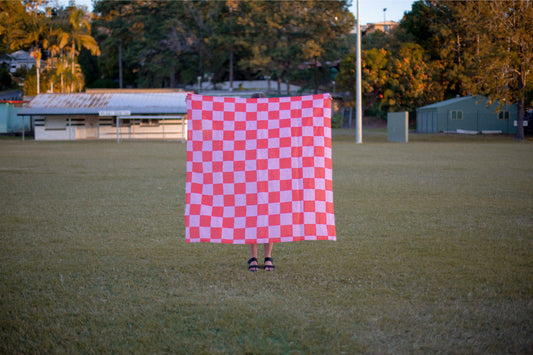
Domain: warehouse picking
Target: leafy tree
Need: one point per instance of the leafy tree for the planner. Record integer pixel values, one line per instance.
(12, 18)
(421, 25)
(115, 30)
(30, 83)
(375, 77)
(6, 82)
(392, 79)
(501, 33)
(164, 42)
(55, 47)
(324, 24)
(78, 36)
(437, 28)
(285, 34)
(33, 25)
(477, 47)
(228, 40)
(200, 19)
(411, 78)
(157, 41)
(29, 33)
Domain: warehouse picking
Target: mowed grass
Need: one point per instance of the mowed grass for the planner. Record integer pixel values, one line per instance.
(434, 254)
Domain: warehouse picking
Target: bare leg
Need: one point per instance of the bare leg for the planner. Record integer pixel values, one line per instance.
(253, 250)
(268, 249)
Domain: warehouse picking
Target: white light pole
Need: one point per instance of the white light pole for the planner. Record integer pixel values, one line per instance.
(358, 98)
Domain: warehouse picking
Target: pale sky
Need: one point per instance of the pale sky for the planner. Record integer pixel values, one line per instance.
(370, 10)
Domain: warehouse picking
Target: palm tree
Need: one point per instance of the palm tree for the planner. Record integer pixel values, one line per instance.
(32, 36)
(78, 36)
(55, 46)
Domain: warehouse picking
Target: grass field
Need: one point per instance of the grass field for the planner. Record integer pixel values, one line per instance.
(434, 254)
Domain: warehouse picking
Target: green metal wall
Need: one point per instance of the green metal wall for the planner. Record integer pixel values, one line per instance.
(475, 117)
(10, 122)
(4, 113)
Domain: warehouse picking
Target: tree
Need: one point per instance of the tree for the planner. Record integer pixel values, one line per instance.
(477, 47)
(115, 30)
(375, 76)
(156, 42)
(228, 36)
(12, 17)
(435, 26)
(286, 34)
(501, 33)
(78, 36)
(325, 24)
(412, 79)
(29, 33)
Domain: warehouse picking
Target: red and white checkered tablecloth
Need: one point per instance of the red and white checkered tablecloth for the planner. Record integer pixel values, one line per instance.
(259, 170)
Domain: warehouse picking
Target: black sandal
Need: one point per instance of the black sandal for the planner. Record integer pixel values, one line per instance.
(251, 267)
(269, 267)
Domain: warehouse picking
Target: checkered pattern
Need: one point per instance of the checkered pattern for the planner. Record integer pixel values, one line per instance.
(259, 170)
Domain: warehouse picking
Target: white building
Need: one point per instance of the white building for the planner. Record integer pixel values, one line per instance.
(17, 60)
(109, 114)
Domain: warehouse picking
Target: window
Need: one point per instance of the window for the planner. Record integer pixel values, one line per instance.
(123, 123)
(55, 124)
(150, 122)
(456, 115)
(503, 115)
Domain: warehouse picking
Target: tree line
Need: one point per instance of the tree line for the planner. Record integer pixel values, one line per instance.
(443, 49)
(54, 36)
(171, 43)
(440, 49)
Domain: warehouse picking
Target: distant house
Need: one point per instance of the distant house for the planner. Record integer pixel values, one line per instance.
(109, 114)
(468, 114)
(384, 26)
(19, 59)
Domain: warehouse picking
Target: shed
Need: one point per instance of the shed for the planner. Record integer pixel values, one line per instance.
(10, 122)
(468, 114)
(109, 114)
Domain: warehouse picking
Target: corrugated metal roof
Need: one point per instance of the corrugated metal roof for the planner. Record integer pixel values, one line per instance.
(93, 103)
(448, 102)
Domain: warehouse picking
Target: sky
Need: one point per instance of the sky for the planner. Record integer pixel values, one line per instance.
(370, 10)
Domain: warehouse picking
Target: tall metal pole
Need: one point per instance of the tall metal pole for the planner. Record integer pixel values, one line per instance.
(358, 98)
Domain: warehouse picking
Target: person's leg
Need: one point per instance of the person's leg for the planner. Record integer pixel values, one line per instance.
(253, 250)
(268, 249)
(269, 265)
(252, 263)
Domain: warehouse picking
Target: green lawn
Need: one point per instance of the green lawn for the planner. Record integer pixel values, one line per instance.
(434, 253)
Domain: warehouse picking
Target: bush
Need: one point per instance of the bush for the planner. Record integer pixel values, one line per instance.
(6, 81)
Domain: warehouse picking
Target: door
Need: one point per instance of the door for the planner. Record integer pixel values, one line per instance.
(91, 128)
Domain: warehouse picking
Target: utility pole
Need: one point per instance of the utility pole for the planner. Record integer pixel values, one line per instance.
(358, 97)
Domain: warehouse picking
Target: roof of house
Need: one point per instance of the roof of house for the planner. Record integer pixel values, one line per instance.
(476, 99)
(446, 102)
(21, 56)
(138, 103)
